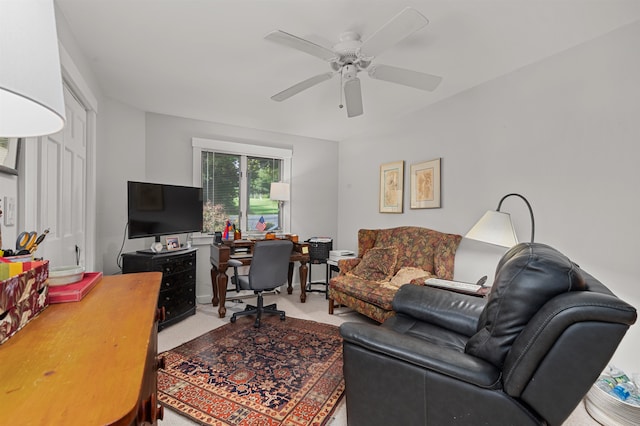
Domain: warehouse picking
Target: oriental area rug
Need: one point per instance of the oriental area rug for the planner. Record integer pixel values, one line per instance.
(283, 373)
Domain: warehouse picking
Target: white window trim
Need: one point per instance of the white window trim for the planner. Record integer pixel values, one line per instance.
(200, 144)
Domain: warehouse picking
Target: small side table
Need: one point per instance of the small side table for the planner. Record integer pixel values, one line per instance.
(319, 248)
(333, 267)
(332, 264)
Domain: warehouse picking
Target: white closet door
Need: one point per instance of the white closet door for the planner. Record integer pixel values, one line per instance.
(62, 189)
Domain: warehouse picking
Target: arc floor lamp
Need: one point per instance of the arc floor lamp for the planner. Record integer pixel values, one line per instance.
(496, 227)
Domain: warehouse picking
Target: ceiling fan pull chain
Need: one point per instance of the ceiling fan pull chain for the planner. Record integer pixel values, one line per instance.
(341, 105)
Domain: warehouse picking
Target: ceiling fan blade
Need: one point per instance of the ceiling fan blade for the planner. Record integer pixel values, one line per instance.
(303, 85)
(398, 28)
(410, 78)
(301, 44)
(353, 97)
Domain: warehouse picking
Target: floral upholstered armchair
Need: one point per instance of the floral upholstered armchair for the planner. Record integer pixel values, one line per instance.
(387, 259)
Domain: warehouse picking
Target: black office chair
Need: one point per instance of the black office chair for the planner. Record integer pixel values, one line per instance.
(269, 270)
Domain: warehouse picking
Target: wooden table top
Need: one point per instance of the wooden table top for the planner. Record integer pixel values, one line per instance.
(81, 362)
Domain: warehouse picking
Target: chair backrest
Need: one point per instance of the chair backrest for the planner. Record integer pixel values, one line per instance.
(550, 327)
(527, 277)
(270, 264)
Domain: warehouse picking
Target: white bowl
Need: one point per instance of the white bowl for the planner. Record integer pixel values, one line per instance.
(21, 258)
(62, 275)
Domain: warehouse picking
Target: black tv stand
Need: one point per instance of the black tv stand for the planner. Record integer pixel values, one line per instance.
(178, 290)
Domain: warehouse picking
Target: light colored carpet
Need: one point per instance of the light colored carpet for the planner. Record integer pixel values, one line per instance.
(315, 309)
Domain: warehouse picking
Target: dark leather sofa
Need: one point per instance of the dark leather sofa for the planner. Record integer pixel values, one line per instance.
(525, 355)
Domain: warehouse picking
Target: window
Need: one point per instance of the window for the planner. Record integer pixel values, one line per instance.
(236, 179)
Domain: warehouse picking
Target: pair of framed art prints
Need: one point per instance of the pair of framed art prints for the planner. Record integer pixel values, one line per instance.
(425, 186)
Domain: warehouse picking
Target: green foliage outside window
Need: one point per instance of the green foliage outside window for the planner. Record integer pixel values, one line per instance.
(222, 191)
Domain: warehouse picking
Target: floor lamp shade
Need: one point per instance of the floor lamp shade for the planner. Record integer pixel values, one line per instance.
(494, 228)
(279, 191)
(31, 99)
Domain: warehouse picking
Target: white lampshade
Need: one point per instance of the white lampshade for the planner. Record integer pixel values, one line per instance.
(494, 227)
(279, 191)
(31, 99)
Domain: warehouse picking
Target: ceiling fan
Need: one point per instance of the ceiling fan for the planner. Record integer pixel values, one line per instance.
(351, 55)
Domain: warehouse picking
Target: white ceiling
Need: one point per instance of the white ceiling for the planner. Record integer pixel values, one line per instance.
(208, 60)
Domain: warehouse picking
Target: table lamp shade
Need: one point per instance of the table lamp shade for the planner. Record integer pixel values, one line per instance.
(279, 191)
(31, 99)
(494, 227)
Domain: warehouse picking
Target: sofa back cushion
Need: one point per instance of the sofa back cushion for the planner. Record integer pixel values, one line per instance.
(366, 240)
(444, 255)
(415, 245)
(528, 275)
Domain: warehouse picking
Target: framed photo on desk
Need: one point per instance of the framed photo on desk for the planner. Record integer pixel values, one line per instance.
(173, 242)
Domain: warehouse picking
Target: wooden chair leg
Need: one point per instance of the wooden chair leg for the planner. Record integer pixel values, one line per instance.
(331, 306)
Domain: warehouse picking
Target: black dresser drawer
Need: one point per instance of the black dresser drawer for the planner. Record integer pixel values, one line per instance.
(178, 290)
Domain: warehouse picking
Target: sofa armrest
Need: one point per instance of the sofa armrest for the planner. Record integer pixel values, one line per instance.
(446, 309)
(345, 265)
(421, 353)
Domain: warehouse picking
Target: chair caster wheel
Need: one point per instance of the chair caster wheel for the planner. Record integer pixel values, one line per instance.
(233, 318)
(257, 324)
(282, 316)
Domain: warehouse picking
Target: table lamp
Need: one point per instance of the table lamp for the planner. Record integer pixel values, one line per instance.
(495, 227)
(31, 99)
(279, 192)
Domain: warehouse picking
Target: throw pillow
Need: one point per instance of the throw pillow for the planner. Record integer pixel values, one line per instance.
(406, 275)
(527, 277)
(377, 264)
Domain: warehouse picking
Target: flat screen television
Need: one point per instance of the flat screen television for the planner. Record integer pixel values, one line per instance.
(156, 209)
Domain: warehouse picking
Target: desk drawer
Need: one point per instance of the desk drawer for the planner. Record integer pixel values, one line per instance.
(177, 301)
(184, 279)
(175, 265)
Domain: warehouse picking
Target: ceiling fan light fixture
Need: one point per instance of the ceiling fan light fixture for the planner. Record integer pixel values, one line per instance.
(349, 72)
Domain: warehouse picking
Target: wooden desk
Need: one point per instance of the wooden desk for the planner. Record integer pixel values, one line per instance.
(91, 362)
(220, 255)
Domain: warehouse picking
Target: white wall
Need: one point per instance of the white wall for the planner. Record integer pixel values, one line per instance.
(314, 167)
(120, 157)
(563, 132)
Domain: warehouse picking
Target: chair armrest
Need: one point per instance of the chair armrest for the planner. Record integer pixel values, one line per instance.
(421, 353)
(234, 263)
(447, 309)
(345, 265)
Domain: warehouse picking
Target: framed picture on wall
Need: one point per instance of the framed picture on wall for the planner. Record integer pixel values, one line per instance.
(9, 152)
(425, 185)
(391, 187)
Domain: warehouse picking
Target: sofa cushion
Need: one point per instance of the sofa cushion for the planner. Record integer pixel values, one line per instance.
(528, 275)
(378, 264)
(369, 292)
